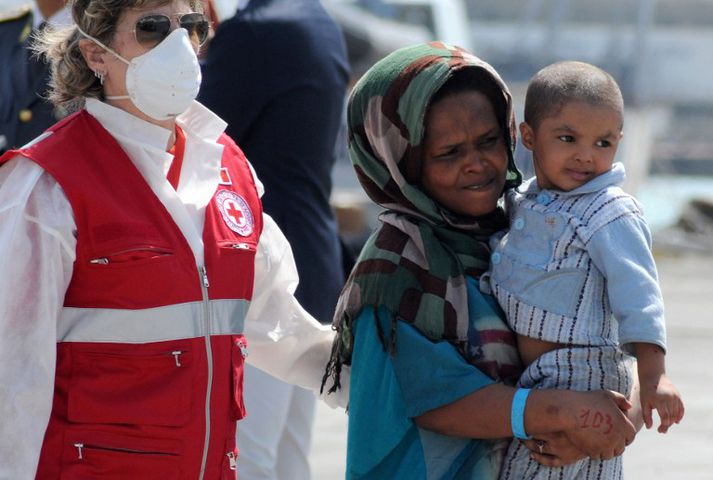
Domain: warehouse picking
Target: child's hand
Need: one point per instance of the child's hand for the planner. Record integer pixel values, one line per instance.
(657, 391)
(662, 396)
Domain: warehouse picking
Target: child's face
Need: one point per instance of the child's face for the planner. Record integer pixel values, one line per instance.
(465, 157)
(573, 146)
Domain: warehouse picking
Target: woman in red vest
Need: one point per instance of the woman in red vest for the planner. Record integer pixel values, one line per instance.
(138, 264)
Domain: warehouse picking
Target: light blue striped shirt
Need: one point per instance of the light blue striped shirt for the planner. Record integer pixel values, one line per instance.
(576, 267)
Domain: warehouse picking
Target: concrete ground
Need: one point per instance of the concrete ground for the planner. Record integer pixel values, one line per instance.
(686, 452)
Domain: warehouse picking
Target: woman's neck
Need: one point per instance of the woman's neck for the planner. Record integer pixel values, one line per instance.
(129, 107)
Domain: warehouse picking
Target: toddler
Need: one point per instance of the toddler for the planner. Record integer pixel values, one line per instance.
(575, 274)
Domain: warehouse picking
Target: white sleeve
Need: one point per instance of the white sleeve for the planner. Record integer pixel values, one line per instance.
(283, 339)
(37, 251)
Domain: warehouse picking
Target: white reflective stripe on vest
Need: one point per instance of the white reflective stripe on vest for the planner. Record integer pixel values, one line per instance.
(172, 322)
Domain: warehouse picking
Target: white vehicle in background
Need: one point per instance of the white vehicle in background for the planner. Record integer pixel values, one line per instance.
(446, 20)
(374, 28)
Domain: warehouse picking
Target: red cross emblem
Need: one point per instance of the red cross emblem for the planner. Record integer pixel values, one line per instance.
(235, 211)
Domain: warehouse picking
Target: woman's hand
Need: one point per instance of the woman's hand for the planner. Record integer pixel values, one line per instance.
(601, 427)
(553, 450)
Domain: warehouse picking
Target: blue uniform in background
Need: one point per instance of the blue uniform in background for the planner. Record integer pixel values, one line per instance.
(277, 72)
(24, 114)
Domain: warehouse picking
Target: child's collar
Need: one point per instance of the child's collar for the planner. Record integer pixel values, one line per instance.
(615, 176)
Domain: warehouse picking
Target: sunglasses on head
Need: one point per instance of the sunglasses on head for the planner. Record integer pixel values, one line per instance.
(152, 29)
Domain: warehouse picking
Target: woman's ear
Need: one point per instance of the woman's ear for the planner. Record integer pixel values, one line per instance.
(94, 55)
(527, 136)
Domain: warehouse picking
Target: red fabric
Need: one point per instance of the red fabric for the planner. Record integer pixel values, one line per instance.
(119, 218)
(133, 409)
(179, 146)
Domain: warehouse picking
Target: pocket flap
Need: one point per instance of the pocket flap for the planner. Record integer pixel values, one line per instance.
(131, 384)
(557, 291)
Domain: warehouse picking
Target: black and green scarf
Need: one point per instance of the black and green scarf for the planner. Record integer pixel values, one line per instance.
(416, 263)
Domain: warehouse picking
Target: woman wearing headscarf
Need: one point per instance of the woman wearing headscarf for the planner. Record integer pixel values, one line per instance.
(137, 264)
(431, 137)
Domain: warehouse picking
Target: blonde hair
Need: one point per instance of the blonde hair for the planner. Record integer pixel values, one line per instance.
(71, 79)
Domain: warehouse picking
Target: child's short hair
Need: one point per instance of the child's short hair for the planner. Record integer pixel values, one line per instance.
(569, 81)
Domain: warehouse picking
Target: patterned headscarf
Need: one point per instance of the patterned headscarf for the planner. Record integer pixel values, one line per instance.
(415, 264)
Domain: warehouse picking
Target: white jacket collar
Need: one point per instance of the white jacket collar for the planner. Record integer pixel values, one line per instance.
(197, 121)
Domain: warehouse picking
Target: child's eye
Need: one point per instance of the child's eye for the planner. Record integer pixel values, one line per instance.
(566, 138)
(604, 143)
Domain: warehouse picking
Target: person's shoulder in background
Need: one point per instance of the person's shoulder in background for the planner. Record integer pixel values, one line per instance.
(18, 17)
(15, 28)
(292, 29)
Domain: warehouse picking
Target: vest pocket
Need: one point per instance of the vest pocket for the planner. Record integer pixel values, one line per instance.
(228, 246)
(131, 255)
(131, 384)
(88, 454)
(239, 350)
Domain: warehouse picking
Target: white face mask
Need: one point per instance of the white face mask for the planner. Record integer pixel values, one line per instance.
(164, 81)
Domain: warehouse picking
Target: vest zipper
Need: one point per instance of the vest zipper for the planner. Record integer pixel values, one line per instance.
(106, 260)
(233, 460)
(243, 346)
(177, 355)
(209, 354)
(81, 447)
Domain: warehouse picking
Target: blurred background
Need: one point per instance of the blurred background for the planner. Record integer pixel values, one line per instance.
(660, 52)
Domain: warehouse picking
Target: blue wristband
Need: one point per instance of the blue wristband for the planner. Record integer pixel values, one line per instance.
(517, 414)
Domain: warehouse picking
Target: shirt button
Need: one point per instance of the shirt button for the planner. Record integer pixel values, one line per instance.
(519, 223)
(543, 198)
(25, 115)
(495, 258)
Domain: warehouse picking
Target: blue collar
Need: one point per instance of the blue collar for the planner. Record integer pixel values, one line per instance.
(615, 176)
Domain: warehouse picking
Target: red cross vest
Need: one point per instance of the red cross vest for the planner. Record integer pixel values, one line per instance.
(150, 347)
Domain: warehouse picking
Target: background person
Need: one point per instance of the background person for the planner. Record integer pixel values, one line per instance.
(24, 112)
(141, 262)
(277, 73)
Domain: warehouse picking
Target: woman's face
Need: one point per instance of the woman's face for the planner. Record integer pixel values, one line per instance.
(465, 157)
(125, 44)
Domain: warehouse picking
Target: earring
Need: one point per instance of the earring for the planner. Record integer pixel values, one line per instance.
(100, 76)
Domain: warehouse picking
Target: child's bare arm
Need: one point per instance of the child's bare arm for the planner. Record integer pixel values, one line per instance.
(657, 391)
